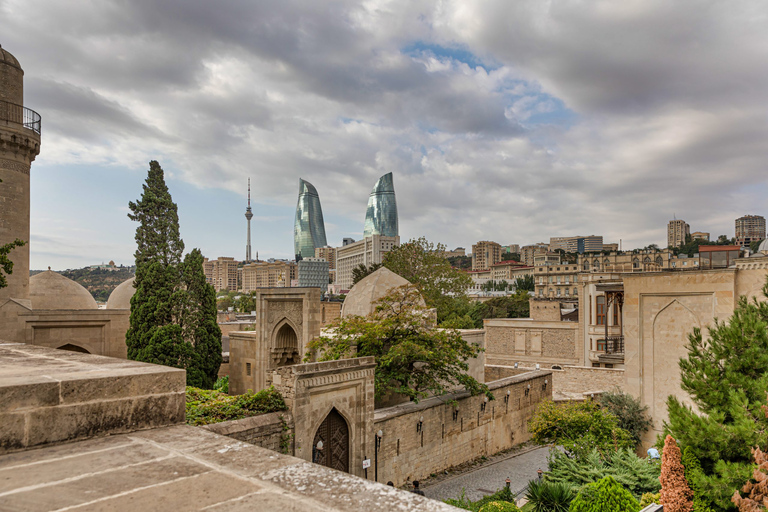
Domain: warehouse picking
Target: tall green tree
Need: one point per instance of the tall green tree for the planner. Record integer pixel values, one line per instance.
(172, 309)
(420, 262)
(726, 376)
(361, 271)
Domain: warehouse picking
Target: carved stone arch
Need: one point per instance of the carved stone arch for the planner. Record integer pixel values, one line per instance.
(334, 432)
(284, 344)
(659, 261)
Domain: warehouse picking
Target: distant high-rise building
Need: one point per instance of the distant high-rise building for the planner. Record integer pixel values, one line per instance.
(529, 252)
(750, 228)
(700, 235)
(677, 232)
(309, 228)
(313, 273)
(367, 251)
(381, 215)
(328, 254)
(248, 217)
(347, 241)
(579, 244)
(221, 273)
(268, 274)
(485, 254)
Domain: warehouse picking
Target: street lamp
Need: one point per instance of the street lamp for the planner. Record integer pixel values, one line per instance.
(317, 452)
(419, 424)
(379, 435)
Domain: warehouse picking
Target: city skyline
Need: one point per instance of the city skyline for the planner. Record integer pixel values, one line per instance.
(512, 123)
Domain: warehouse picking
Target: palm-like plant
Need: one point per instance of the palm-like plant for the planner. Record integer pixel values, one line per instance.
(550, 496)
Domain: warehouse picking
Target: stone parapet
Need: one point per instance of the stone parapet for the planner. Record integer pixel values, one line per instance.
(273, 431)
(50, 396)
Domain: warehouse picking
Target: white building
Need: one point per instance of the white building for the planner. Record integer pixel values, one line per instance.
(366, 252)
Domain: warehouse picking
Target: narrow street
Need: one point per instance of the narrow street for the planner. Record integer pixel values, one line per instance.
(487, 479)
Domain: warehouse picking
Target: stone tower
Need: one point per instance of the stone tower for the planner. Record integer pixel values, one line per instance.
(19, 145)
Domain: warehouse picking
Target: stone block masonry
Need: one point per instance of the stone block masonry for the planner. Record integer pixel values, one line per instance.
(441, 432)
(273, 431)
(50, 396)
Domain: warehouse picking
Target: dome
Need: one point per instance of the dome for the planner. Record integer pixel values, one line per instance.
(361, 298)
(120, 298)
(7, 58)
(51, 290)
(763, 248)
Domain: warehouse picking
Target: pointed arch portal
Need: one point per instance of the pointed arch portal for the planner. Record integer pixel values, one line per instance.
(334, 433)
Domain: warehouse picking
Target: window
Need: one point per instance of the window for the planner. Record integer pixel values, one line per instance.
(636, 263)
(601, 345)
(594, 365)
(558, 279)
(550, 291)
(541, 280)
(575, 291)
(615, 314)
(550, 279)
(586, 265)
(575, 278)
(558, 292)
(600, 302)
(566, 292)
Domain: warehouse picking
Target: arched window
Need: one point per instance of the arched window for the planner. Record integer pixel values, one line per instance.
(635, 263)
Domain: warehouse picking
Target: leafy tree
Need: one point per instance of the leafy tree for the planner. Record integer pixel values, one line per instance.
(637, 475)
(6, 265)
(676, 495)
(578, 427)
(361, 271)
(525, 283)
(632, 416)
(692, 474)
(510, 306)
(173, 312)
(546, 496)
(413, 357)
(462, 262)
(419, 262)
(510, 256)
(755, 246)
(607, 495)
(726, 376)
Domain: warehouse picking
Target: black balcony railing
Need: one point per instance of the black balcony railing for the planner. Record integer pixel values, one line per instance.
(18, 114)
(614, 345)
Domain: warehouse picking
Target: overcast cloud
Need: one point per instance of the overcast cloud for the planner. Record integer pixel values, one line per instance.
(509, 121)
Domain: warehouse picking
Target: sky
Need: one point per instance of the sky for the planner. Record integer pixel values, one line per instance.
(506, 121)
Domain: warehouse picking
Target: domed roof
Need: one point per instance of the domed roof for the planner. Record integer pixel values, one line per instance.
(120, 298)
(51, 290)
(361, 298)
(7, 58)
(763, 248)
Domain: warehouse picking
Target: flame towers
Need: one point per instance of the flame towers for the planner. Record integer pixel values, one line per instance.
(381, 215)
(308, 228)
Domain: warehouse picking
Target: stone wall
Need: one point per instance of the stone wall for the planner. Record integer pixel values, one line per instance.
(435, 434)
(273, 431)
(496, 372)
(583, 379)
(330, 311)
(528, 341)
(544, 309)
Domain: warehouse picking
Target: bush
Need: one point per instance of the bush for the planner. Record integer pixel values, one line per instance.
(578, 427)
(548, 496)
(210, 406)
(222, 384)
(502, 495)
(607, 495)
(637, 475)
(692, 473)
(500, 506)
(650, 499)
(631, 416)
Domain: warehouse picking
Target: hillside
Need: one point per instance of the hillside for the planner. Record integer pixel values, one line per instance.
(100, 282)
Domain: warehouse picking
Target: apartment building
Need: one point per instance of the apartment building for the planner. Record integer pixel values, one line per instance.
(367, 251)
(750, 228)
(677, 232)
(268, 274)
(328, 254)
(221, 273)
(485, 254)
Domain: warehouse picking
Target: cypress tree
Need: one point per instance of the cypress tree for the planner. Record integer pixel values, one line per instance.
(173, 311)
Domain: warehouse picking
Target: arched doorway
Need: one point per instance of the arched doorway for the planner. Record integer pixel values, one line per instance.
(73, 348)
(334, 433)
(285, 348)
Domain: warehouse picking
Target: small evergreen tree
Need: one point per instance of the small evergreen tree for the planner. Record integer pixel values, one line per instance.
(607, 495)
(632, 416)
(676, 495)
(692, 474)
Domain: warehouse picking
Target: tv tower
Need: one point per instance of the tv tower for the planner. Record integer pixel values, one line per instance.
(248, 216)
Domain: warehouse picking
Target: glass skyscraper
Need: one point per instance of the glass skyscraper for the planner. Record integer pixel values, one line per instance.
(381, 216)
(308, 229)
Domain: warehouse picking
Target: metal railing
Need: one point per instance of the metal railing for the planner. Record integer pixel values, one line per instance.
(614, 345)
(19, 114)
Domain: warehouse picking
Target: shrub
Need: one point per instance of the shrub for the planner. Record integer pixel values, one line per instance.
(578, 427)
(692, 473)
(635, 474)
(607, 495)
(649, 499)
(499, 506)
(222, 384)
(550, 496)
(209, 406)
(502, 495)
(676, 496)
(631, 416)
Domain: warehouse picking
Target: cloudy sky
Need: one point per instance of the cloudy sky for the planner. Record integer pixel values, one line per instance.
(505, 120)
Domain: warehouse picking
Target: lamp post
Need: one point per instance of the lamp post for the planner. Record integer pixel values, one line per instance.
(317, 451)
(379, 435)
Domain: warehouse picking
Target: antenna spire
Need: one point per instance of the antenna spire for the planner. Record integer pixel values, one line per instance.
(249, 192)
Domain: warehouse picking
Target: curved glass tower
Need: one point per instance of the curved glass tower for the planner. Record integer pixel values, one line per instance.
(308, 229)
(381, 216)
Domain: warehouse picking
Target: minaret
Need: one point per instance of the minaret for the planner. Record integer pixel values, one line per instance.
(248, 216)
(19, 145)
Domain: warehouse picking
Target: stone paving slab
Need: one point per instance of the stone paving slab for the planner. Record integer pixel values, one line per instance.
(186, 468)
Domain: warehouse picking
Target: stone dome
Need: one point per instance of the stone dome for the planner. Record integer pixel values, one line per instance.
(361, 298)
(763, 248)
(51, 290)
(120, 298)
(7, 58)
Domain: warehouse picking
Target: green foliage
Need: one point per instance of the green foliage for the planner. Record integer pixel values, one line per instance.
(420, 262)
(99, 281)
(6, 265)
(638, 476)
(209, 406)
(693, 473)
(510, 306)
(649, 499)
(726, 376)
(510, 256)
(462, 262)
(578, 427)
(691, 246)
(754, 246)
(548, 496)
(503, 495)
(499, 506)
(525, 283)
(173, 312)
(413, 357)
(222, 384)
(606, 495)
(361, 271)
(632, 416)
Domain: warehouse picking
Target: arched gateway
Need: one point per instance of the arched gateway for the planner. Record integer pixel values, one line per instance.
(334, 434)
